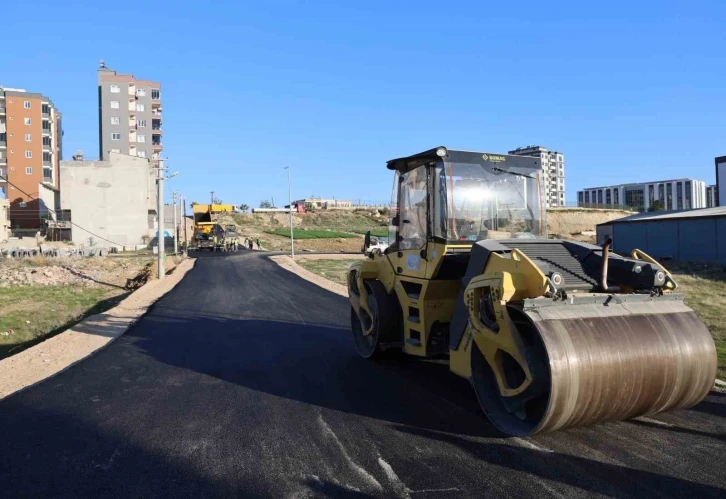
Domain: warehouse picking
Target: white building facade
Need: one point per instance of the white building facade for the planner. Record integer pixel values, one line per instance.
(553, 172)
(679, 194)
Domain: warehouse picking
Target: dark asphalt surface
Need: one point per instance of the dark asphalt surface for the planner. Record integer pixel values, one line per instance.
(243, 382)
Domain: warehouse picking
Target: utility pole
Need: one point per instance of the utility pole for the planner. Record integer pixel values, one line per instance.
(173, 209)
(211, 200)
(184, 218)
(160, 216)
(289, 205)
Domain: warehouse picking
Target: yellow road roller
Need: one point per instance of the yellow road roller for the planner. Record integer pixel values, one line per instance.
(551, 333)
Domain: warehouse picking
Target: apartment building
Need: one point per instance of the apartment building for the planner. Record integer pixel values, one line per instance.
(679, 194)
(129, 115)
(553, 169)
(711, 196)
(720, 190)
(31, 138)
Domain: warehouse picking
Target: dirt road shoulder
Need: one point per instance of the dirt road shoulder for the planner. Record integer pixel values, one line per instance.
(289, 264)
(66, 349)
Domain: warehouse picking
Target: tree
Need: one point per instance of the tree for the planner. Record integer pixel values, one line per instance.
(657, 206)
(193, 204)
(265, 204)
(244, 208)
(217, 201)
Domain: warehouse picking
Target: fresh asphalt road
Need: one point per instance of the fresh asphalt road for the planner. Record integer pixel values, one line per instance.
(243, 381)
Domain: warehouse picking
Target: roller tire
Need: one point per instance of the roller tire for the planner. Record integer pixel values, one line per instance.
(384, 320)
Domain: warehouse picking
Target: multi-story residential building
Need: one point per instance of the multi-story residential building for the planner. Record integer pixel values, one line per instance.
(679, 194)
(553, 170)
(30, 150)
(711, 196)
(129, 115)
(720, 196)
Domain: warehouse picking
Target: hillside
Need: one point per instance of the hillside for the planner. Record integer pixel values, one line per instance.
(561, 223)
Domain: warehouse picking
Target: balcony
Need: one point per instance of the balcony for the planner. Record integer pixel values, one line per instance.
(48, 180)
(156, 131)
(157, 146)
(156, 104)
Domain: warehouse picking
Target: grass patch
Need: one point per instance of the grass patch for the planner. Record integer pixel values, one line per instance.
(35, 313)
(311, 234)
(374, 232)
(333, 270)
(705, 290)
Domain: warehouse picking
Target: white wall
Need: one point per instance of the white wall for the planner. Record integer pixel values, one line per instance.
(109, 200)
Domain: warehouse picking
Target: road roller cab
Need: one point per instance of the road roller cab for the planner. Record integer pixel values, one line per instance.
(551, 333)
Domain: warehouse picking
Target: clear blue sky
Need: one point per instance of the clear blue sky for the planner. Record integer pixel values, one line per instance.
(629, 91)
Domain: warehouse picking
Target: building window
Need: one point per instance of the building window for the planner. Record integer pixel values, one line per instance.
(140, 123)
(115, 120)
(661, 193)
(587, 196)
(651, 195)
(616, 196)
(46, 156)
(45, 109)
(608, 196)
(141, 92)
(28, 170)
(28, 137)
(155, 93)
(580, 197)
(48, 173)
(115, 136)
(141, 154)
(28, 121)
(669, 196)
(679, 194)
(140, 107)
(23, 204)
(115, 89)
(26, 104)
(114, 104)
(689, 195)
(635, 198)
(599, 196)
(116, 150)
(28, 154)
(141, 138)
(46, 140)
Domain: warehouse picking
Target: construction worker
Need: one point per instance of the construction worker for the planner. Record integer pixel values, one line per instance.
(258, 243)
(251, 244)
(236, 245)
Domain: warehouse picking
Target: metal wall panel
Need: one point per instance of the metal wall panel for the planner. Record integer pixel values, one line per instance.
(627, 236)
(662, 238)
(697, 240)
(721, 239)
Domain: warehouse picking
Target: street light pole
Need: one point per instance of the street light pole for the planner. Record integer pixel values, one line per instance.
(173, 209)
(289, 204)
(184, 221)
(160, 216)
(211, 199)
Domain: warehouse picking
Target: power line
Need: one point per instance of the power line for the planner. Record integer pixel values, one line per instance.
(56, 214)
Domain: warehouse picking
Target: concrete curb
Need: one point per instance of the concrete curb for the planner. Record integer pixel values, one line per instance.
(56, 354)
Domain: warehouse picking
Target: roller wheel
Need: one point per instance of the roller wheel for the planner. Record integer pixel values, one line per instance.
(383, 320)
(521, 414)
